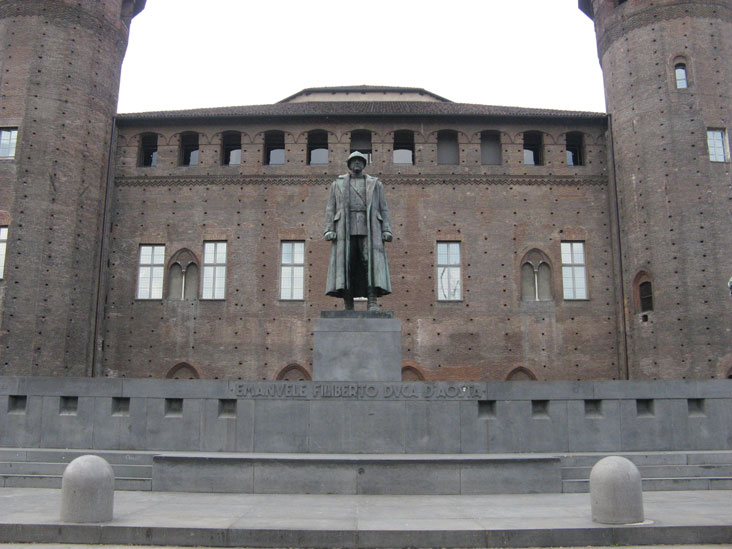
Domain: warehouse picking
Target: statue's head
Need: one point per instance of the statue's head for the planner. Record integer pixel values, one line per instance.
(357, 162)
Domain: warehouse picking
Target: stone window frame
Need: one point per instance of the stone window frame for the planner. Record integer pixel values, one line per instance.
(289, 271)
(3, 249)
(718, 145)
(150, 273)
(185, 260)
(404, 139)
(315, 144)
(579, 147)
(573, 266)
(231, 147)
(484, 147)
(294, 367)
(8, 142)
(189, 149)
(535, 259)
(271, 144)
(641, 305)
(453, 270)
(681, 76)
(215, 258)
(538, 148)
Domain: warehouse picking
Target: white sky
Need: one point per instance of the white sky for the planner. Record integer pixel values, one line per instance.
(213, 53)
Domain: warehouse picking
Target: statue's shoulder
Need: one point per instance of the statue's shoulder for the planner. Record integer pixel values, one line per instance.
(372, 179)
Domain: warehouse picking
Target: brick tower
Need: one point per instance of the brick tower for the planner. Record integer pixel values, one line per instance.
(667, 79)
(60, 64)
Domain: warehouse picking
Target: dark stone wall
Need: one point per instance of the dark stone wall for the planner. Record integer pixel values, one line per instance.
(499, 213)
(673, 202)
(60, 63)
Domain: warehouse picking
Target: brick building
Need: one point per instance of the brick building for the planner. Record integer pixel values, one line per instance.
(528, 243)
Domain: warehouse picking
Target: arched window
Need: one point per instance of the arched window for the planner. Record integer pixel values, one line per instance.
(403, 147)
(536, 277)
(575, 149)
(317, 147)
(274, 148)
(490, 148)
(533, 148)
(521, 374)
(682, 81)
(294, 372)
(411, 373)
(183, 276)
(183, 371)
(448, 151)
(361, 142)
(188, 155)
(643, 292)
(148, 154)
(231, 148)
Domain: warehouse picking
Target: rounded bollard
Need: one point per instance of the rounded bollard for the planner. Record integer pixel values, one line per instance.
(616, 491)
(87, 490)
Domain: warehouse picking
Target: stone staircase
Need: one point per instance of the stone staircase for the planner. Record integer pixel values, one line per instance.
(659, 470)
(43, 468)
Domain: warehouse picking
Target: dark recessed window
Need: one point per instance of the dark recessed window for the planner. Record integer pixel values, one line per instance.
(533, 148)
(645, 292)
(448, 151)
(274, 148)
(317, 148)
(575, 149)
(231, 149)
(361, 142)
(404, 147)
(189, 149)
(490, 148)
(148, 150)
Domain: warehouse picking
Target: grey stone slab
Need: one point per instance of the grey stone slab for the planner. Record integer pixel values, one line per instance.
(408, 478)
(474, 428)
(281, 426)
(357, 349)
(245, 425)
(422, 538)
(10, 385)
(202, 474)
(176, 388)
(377, 427)
(73, 386)
(703, 429)
(133, 484)
(593, 431)
(32, 481)
(330, 427)
(118, 428)
(518, 476)
(63, 429)
(656, 431)
(540, 390)
(218, 433)
(702, 458)
(21, 429)
(432, 427)
(291, 477)
(173, 430)
(518, 427)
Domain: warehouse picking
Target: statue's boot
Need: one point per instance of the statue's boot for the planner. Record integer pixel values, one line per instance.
(372, 306)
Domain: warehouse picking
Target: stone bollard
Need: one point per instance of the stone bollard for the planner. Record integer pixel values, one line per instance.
(87, 490)
(616, 491)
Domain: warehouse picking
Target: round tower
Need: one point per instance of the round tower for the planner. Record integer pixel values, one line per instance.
(60, 63)
(667, 79)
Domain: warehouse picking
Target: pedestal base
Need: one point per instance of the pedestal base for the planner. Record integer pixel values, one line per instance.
(357, 346)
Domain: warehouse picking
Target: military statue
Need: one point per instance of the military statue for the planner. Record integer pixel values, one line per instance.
(357, 224)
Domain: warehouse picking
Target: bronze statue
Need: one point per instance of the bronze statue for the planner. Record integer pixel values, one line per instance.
(357, 223)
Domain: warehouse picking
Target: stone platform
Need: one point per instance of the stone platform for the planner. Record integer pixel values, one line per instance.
(239, 520)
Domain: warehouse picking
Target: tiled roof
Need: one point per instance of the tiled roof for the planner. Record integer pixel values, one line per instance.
(364, 89)
(355, 108)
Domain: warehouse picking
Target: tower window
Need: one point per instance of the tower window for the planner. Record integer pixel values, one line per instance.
(3, 249)
(8, 141)
(717, 143)
(361, 142)
(404, 147)
(317, 147)
(536, 278)
(490, 148)
(231, 149)
(148, 150)
(533, 148)
(292, 270)
(680, 72)
(448, 271)
(448, 151)
(575, 149)
(274, 148)
(150, 272)
(214, 270)
(645, 293)
(574, 275)
(189, 149)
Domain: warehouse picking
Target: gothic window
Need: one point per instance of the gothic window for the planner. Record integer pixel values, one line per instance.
(150, 271)
(317, 147)
(533, 148)
(536, 277)
(490, 148)
(574, 274)
(274, 148)
(643, 292)
(183, 371)
(294, 372)
(449, 283)
(412, 373)
(521, 374)
(717, 143)
(292, 270)
(188, 149)
(3, 249)
(183, 276)
(231, 148)
(403, 147)
(8, 141)
(361, 142)
(682, 81)
(575, 149)
(214, 270)
(448, 151)
(148, 155)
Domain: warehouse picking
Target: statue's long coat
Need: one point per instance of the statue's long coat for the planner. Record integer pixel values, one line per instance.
(336, 220)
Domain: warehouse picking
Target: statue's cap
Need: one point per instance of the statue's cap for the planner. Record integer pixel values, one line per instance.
(356, 154)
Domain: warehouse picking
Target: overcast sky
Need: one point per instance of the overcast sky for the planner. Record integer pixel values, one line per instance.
(528, 53)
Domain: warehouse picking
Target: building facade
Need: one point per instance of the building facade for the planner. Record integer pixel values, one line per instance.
(528, 243)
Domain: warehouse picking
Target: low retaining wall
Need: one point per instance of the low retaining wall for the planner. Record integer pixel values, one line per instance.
(342, 417)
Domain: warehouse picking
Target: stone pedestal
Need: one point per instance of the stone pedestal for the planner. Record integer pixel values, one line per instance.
(357, 346)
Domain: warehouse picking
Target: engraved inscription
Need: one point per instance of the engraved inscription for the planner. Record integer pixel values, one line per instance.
(360, 391)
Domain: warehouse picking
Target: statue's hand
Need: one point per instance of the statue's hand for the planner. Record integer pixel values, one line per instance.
(330, 235)
(386, 236)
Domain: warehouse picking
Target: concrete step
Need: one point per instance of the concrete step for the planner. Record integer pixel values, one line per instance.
(65, 456)
(42, 468)
(576, 486)
(653, 458)
(659, 471)
(54, 481)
